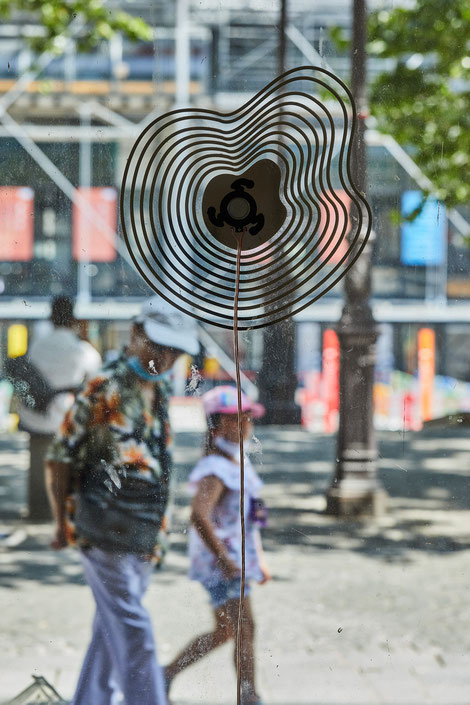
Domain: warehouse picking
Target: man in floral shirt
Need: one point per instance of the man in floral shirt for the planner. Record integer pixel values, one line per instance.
(107, 474)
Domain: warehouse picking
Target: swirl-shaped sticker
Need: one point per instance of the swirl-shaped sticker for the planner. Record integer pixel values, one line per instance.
(278, 169)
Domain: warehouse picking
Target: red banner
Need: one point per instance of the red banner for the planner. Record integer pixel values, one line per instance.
(16, 223)
(335, 228)
(330, 374)
(90, 242)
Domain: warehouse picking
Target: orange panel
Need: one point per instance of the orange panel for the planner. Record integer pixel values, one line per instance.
(16, 223)
(426, 370)
(90, 244)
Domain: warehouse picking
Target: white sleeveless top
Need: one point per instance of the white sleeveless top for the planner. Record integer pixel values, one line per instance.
(225, 517)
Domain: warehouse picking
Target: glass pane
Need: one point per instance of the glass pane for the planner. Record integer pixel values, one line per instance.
(362, 439)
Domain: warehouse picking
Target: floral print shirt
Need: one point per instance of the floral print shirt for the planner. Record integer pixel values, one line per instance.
(126, 429)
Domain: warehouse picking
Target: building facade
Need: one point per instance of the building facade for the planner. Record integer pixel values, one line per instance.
(72, 124)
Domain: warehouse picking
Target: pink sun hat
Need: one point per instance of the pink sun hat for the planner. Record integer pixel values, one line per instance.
(223, 400)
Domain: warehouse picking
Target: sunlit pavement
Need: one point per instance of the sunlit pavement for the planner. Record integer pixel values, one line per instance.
(357, 613)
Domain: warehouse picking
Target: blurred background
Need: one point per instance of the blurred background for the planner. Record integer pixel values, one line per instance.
(361, 610)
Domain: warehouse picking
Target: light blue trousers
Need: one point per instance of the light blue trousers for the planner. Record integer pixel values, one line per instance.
(122, 656)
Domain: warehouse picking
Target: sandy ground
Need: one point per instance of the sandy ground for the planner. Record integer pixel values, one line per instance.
(357, 613)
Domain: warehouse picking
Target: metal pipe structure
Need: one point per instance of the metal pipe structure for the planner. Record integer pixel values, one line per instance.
(182, 54)
(85, 178)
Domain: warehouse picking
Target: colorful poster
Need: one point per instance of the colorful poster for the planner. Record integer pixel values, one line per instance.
(16, 223)
(426, 371)
(91, 243)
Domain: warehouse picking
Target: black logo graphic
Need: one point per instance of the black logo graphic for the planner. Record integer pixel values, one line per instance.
(238, 209)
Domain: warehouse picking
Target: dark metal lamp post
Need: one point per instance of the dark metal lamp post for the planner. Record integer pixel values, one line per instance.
(277, 379)
(355, 489)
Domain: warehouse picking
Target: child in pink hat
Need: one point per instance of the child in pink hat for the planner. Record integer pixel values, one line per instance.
(215, 536)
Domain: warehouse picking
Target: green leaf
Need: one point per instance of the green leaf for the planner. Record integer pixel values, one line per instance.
(424, 101)
(339, 38)
(56, 15)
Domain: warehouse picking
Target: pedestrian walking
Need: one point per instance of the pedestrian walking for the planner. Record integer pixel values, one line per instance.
(114, 448)
(215, 546)
(65, 362)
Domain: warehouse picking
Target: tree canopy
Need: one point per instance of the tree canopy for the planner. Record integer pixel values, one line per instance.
(55, 16)
(424, 101)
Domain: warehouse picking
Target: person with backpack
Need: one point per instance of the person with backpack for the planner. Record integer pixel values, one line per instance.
(56, 364)
(112, 450)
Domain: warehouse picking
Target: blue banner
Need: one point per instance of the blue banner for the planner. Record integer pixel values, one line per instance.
(424, 240)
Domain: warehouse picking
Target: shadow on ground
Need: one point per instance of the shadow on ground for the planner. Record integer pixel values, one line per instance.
(426, 476)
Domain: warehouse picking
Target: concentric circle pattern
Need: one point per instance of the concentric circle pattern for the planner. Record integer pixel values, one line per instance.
(282, 162)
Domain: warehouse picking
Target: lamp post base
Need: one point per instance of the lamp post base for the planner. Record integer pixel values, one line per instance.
(356, 498)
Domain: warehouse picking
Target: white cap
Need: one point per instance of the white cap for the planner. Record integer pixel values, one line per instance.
(168, 326)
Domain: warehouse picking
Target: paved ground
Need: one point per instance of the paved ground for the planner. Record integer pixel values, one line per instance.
(358, 612)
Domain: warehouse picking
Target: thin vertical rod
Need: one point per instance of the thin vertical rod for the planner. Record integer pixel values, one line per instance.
(242, 466)
(282, 36)
(183, 50)
(85, 180)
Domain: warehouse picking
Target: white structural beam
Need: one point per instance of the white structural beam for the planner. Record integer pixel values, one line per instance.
(29, 308)
(110, 116)
(74, 133)
(396, 312)
(252, 57)
(305, 48)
